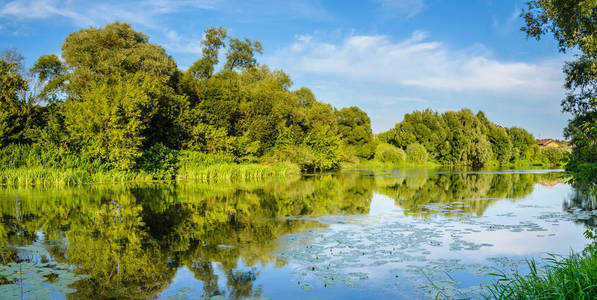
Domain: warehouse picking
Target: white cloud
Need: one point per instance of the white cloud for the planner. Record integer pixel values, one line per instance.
(87, 13)
(419, 62)
(177, 43)
(146, 12)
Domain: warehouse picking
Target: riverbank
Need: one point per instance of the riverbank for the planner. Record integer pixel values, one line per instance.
(30, 166)
(187, 166)
(30, 169)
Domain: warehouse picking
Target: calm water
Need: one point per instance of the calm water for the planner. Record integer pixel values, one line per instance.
(402, 234)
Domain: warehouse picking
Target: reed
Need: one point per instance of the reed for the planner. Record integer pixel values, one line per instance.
(573, 277)
(236, 172)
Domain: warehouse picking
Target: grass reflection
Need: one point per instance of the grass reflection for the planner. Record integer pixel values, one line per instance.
(160, 227)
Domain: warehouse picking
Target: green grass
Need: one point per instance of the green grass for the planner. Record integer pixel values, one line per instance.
(573, 277)
(42, 176)
(236, 172)
(190, 166)
(378, 165)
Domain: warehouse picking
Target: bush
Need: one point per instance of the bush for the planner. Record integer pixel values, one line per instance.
(366, 151)
(301, 155)
(159, 161)
(416, 153)
(389, 154)
(325, 146)
(553, 156)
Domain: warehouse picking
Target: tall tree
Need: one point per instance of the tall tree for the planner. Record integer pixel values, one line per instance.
(573, 23)
(241, 54)
(109, 120)
(98, 55)
(212, 42)
(12, 107)
(354, 127)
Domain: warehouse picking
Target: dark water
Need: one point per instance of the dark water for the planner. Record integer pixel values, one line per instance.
(403, 234)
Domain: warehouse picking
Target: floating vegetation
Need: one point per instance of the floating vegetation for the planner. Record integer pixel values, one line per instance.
(372, 250)
(40, 279)
(391, 237)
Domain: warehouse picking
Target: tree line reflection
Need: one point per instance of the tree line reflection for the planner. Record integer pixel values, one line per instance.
(212, 229)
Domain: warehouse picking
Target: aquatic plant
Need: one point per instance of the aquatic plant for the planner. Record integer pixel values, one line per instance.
(573, 277)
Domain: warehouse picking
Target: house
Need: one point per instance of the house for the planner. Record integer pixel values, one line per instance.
(548, 143)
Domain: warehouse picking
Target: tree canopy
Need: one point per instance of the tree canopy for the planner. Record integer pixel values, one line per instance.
(573, 24)
(116, 101)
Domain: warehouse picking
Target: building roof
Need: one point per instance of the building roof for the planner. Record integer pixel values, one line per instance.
(545, 142)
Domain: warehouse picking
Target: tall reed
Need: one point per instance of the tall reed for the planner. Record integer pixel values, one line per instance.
(574, 277)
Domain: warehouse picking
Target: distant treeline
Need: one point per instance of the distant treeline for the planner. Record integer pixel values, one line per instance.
(463, 138)
(116, 102)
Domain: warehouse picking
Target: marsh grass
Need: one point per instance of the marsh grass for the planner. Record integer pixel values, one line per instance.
(379, 165)
(190, 165)
(573, 277)
(236, 172)
(42, 176)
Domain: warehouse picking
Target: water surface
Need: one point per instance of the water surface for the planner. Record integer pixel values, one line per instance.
(407, 234)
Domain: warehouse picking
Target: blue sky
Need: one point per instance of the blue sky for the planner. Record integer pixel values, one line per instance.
(389, 57)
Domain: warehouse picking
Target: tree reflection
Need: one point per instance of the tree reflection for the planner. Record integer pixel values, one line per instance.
(465, 193)
(214, 229)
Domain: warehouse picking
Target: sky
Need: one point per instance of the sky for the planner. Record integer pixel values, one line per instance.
(388, 57)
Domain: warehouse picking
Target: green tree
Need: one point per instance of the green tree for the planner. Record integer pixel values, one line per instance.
(212, 42)
(572, 23)
(97, 55)
(51, 77)
(523, 141)
(354, 127)
(241, 54)
(325, 144)
(390, 154)
(416, 153)
(109, 119)
(12, 107)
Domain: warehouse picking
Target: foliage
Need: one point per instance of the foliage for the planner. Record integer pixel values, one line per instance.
(159, 161)
(325, 145)
(113, 103)
(12, 108)
(573, 25)
(461, 138)
(109, 120)
(416, 153)
(388, 153)
(553, 156)
(354, 127)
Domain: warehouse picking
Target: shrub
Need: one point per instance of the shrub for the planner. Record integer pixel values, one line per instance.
(390, 154)
(300, 155)
(552, 155)
(416, 153)
(159, 161)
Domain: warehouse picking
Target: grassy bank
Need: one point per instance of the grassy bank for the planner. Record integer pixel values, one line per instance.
(27, 166)
(380, 165)
(40, 176)
(574, 277)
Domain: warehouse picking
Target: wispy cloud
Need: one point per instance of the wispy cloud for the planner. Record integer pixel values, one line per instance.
(181, 44)
(420, 62)
(145, 12)
(509, 24)
(87, 13)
